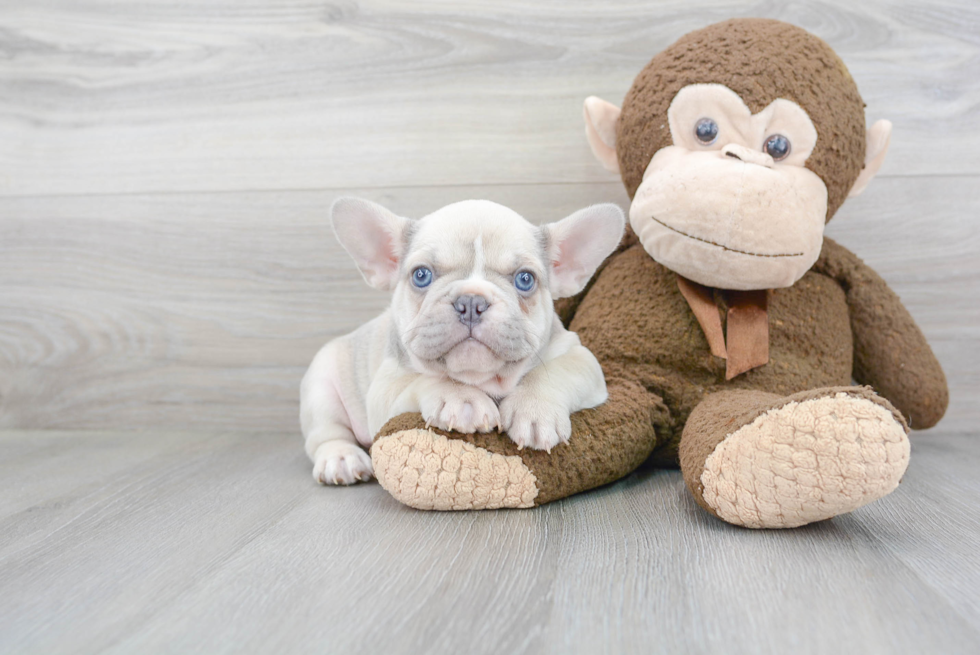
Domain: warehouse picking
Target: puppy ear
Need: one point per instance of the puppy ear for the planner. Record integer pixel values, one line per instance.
(879, 136)
(600, 130)
(372, 236)
(579, 243)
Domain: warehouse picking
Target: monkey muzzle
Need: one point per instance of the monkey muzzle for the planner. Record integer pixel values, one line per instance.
(730, 218)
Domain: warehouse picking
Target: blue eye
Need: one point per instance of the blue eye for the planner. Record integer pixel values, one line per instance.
(777, 146)
(524, 281)
(421, 277)
(706, 131)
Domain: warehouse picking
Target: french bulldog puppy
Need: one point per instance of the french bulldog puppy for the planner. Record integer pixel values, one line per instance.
(471, 340)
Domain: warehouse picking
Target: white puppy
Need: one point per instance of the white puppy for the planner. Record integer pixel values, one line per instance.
(471, 339)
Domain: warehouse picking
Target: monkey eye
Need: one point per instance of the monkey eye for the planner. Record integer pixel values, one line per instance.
(706, 130)
(777, 146)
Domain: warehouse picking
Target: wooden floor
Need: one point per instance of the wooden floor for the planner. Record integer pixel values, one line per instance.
(167, 273)
(221, 542)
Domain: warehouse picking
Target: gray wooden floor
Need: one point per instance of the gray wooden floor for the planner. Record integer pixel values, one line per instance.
(222, 542)
(166, 274)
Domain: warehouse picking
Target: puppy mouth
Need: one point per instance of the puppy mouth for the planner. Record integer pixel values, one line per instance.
(470, 339)
(723, 247)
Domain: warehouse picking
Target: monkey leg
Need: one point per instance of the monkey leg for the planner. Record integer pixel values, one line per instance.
(428, 468)
(759, 460)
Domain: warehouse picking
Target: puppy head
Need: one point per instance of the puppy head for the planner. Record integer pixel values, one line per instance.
(474, 282)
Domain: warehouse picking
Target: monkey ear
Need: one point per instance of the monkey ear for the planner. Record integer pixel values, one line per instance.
(578, 243)
(372, 236)
(600, 130)
(879, 136)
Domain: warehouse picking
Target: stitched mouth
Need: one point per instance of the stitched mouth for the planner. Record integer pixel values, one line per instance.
(718, 245)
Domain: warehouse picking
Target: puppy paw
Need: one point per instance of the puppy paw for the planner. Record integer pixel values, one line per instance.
(534, 422)
(341, 462)
(461, 408)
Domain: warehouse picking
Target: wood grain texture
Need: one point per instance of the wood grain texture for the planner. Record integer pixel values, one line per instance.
(215, 543)
(112, 96)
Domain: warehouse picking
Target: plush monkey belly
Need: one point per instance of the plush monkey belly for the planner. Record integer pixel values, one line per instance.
(781, 445)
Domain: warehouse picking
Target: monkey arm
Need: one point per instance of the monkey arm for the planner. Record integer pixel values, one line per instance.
(890, 352)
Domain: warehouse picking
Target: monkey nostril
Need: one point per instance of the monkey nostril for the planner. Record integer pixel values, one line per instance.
(747, 156)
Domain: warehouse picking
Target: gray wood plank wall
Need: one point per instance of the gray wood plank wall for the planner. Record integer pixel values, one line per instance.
(166, 169)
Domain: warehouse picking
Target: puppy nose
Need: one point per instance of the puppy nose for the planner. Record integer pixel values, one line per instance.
(470, 308)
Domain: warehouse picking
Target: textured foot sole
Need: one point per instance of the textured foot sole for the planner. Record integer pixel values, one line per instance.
(806, 461)
(425, 470)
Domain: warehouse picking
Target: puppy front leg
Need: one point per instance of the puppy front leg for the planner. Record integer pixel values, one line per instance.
(327, 426)
(537, 413)
(452, 406)
(443, 403)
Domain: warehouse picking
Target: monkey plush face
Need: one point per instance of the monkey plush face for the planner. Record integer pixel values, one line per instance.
(730, 203)
(737, 144)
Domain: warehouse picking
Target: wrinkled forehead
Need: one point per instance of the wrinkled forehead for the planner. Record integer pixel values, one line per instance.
(463, 235)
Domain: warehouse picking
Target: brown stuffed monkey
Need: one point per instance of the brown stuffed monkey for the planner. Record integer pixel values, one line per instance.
(728, 327)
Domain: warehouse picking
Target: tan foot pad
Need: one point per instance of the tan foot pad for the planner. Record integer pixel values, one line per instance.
(806, 461)
(426, 470)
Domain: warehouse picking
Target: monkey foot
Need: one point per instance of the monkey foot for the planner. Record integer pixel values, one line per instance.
(806, 460)
(425, 470)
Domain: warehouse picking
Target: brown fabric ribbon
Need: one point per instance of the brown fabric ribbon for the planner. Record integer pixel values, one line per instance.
(747, 344)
